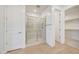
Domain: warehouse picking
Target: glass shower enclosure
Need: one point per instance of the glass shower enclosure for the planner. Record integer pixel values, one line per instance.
(35, 29)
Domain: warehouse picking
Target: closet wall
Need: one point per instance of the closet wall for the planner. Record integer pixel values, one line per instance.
(72, 26)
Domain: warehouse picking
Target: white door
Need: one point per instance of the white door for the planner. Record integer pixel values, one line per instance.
(2, 28)
(50, 35)
(15, 22)
(57, 23)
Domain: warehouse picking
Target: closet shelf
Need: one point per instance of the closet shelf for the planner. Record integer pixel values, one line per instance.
(72, 29)
(72, 19)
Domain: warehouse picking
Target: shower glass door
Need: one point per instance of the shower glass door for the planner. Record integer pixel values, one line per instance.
(35, 29)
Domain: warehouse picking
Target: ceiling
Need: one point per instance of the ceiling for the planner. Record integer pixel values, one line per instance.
(62, 6)
(37, 9)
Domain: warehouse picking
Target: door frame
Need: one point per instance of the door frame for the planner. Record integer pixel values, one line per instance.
(62, 24)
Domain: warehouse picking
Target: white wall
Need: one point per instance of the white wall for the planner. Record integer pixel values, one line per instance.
(2, 28)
